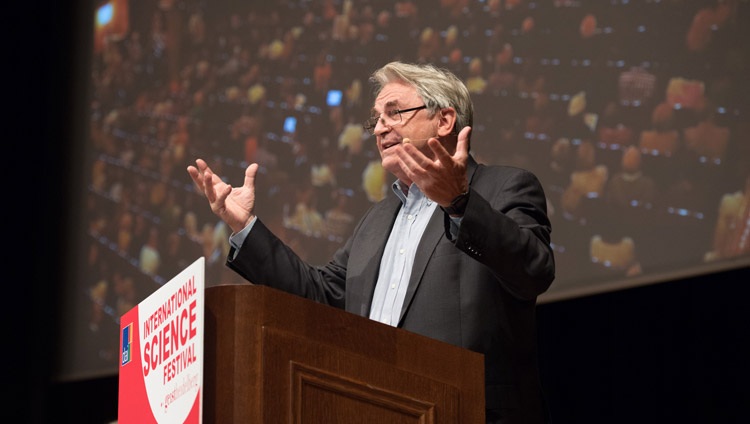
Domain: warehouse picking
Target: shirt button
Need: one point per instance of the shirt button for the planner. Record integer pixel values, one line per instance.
(393, 286)
(401, 251)
(410, 217)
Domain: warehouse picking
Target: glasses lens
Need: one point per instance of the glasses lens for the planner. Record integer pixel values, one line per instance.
(390, 117)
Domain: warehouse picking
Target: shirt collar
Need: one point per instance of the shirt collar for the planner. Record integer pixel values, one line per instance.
(402, 190)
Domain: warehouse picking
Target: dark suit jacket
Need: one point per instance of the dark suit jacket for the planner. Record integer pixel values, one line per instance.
(477, 291)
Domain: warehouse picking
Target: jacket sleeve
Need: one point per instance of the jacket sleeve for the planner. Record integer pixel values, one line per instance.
(264, 259)
(506, 228)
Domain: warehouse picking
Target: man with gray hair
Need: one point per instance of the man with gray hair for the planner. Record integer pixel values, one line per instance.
(458, 251)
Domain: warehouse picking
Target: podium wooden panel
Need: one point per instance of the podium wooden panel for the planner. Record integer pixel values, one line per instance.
(272, 357)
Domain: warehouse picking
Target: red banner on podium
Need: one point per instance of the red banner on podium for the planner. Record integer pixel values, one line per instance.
(161, 353)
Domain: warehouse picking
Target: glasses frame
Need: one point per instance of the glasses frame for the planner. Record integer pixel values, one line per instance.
(372, 122)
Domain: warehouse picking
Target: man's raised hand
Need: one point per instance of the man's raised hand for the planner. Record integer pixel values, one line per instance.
(234, 205)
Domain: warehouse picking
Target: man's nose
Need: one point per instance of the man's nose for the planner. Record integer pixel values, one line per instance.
(381, 128)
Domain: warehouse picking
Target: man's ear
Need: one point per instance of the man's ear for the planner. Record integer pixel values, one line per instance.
(446, 121)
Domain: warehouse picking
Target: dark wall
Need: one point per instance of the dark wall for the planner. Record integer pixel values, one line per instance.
(40, 116)
(674, 352)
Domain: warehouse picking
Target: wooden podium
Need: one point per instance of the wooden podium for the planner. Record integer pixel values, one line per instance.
(272, 358)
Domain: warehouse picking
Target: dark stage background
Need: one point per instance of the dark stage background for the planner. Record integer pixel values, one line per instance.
(615, 347)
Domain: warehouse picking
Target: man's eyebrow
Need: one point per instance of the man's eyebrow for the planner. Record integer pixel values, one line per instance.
(392, 103)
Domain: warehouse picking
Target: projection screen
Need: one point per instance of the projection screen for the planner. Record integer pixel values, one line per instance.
(633, 114)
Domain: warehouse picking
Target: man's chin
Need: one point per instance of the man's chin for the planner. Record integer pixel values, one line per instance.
(391, 165)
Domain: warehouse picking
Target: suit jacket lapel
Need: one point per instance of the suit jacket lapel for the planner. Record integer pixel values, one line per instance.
(372, 242)
(432, 234)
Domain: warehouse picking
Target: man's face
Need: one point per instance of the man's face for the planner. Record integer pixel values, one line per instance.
(415, 125)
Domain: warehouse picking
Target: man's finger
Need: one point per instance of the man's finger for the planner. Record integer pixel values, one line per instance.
(221, 198)
(440, 153)
(196, 177)
(250, 173)
(462, 145)
(208, 186)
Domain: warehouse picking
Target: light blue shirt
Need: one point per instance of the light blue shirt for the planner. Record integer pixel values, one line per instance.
(236, 239)
(398, 257)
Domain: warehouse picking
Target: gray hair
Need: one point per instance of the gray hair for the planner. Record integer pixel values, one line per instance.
(439, 88)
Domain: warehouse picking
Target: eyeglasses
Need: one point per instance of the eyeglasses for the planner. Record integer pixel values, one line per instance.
(391, 117)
